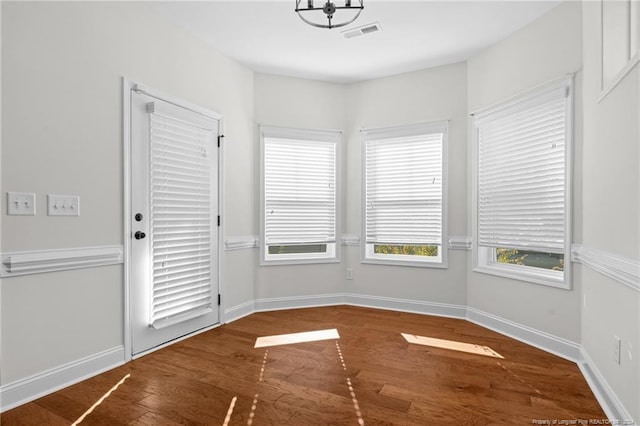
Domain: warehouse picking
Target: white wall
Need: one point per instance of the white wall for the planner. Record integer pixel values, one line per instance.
(304, 104)
(62, 65)
(611, 218)
(429, 95)
(546, 49)
(62, 69)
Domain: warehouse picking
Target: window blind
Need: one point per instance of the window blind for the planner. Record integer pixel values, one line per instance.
(299, 191)
(181, 216)
(521, 175)
(403, 187)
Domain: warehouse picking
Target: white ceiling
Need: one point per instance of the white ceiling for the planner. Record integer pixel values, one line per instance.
(269, 37)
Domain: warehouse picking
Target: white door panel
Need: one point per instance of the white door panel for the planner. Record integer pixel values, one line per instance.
(174, 211)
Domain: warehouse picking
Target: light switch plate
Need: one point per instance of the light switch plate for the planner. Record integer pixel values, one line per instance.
(21, 204)
(63, 205)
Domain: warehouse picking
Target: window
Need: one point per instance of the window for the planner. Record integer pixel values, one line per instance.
(620, 41)
(522, 187)
(404, 195)
(300, 195)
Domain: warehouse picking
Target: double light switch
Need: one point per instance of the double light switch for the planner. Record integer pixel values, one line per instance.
(21, 204)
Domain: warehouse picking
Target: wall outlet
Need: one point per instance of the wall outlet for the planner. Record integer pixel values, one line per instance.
(349, 273)
(617, 345)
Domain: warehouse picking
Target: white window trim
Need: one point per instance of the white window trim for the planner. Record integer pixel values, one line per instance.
(634, 56)
(438, 262)
(333, 249)
(483, 257)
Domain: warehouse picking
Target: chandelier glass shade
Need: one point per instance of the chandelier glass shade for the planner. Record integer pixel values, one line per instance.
(309, 13)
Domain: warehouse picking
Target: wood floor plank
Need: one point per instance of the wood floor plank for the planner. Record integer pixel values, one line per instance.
(63, 406)
(32, 414)
(153, 419)
(371, 376)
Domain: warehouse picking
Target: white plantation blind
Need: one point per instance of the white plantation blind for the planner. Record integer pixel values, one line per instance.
(300, 195)
(181, 215)
(404, 185)
(521, 174)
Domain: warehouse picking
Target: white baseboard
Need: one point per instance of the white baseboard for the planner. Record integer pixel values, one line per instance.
(239, 311)
(34, 387)
(295, 302)
(609, 401)
(406, 305)
(387, 303)
(547, 342)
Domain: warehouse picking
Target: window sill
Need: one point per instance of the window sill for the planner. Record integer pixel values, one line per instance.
(526, 276)
(410, 263)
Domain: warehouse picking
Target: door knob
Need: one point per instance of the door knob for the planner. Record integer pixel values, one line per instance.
(139, 235)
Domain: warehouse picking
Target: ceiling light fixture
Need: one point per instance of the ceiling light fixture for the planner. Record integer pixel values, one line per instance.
(329, 8)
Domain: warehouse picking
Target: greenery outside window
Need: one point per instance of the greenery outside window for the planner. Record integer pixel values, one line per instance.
(530, 259)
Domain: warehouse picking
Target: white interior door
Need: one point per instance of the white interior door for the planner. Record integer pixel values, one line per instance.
(174, 222)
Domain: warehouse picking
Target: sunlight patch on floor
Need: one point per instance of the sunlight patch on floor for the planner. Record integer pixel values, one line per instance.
(230, 411)
(98, 402)
(289, 339)
(451, 345)
(252, 414)
(293, 338)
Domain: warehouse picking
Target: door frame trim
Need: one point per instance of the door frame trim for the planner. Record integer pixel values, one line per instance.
(127, 86)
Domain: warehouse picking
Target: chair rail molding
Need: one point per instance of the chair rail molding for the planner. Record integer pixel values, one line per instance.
(241, 243)
(350, 240)
(460, 243)
(623, 270)
(43, 261)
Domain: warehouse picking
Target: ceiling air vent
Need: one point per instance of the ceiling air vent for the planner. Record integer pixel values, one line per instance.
(365, 29)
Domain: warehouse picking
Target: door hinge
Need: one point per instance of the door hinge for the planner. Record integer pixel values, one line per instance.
(218, 220)
(220, 139)
(218, 300)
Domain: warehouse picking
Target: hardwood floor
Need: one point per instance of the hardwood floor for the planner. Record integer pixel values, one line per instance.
(371, 375)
